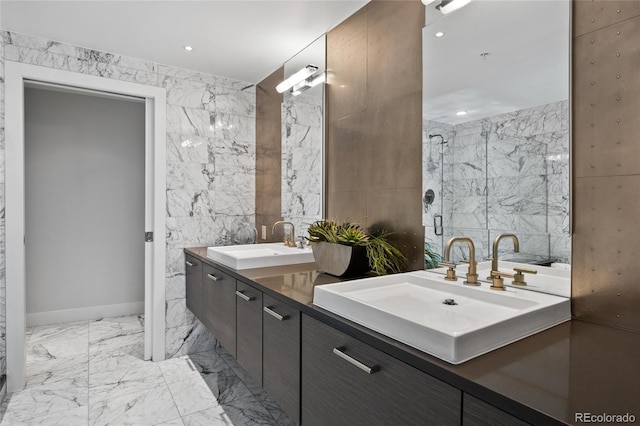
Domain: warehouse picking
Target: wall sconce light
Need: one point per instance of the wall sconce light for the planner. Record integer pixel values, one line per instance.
(448, 6)
(296, 78)
(308, 84)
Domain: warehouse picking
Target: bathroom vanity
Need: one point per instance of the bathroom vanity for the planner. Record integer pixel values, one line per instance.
(324, 369)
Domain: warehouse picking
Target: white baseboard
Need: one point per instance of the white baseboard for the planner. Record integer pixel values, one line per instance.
(82, 314)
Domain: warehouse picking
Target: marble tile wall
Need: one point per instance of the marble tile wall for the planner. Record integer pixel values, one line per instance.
(301, 160)
(210, 162)
(506, 173)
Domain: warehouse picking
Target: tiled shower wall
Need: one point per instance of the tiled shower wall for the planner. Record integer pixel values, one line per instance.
(506, 173)
(301, 160)
(210, 163)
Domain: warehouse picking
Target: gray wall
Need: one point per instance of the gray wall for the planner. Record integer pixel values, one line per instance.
(84, 184)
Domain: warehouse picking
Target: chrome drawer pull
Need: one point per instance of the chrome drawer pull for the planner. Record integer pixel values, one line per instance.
(212, 277)
(244, 296)
(275, 314)
(361, 366)
(190, 263)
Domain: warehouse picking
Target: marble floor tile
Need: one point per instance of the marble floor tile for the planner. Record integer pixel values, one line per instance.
(179, 369)
(57, 341)
(212, 417)
(174, 422)
(57, 364)
(141, 408)
(192, 395)
(92, 373)
(135, 378)
(30, 403)
(74, 417)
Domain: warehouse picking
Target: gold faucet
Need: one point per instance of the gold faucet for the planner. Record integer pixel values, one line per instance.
(289, 240)
(472, 276)
(494, 259)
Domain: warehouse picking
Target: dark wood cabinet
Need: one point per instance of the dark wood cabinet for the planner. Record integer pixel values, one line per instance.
(478, 413)
(219, 305)
(281, 354)
(193, 272)
(249, 329)
(347, 382)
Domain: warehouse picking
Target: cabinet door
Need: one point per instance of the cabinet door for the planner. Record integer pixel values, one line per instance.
(193, 272)
(219, 305)
(249, 329)
(347, 382)
(479, 413)
(281, 355)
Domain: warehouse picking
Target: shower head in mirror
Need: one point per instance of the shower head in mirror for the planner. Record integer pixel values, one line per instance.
(442, 141)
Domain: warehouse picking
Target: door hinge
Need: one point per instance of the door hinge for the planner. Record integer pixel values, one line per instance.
(148, 237)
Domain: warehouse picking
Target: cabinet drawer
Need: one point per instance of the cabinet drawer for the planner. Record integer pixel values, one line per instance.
(281, 354)
(193, 283)
(219, 305)
(249, 329)
(347, 382)
(478, 413)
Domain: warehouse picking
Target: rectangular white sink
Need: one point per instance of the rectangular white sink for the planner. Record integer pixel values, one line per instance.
(548, 280)
(249, 256)
(410, 308)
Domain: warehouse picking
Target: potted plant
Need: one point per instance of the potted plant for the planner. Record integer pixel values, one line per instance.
(346, 249)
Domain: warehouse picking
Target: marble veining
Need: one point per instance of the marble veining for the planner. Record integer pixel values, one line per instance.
(506, 173)
(210, 142)
(116, 387)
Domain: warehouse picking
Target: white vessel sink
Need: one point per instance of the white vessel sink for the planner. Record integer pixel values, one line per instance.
(249, 256)
(549, 280)
(409, 308)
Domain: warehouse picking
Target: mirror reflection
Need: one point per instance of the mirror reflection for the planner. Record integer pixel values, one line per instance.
(302, 137)
(496, 130)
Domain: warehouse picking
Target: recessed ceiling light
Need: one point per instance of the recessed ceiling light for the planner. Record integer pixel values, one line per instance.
(461, 113)
(439, 34)
(188, 48)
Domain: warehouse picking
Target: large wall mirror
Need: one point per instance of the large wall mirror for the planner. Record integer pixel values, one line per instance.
(303, 137)
(496, 128)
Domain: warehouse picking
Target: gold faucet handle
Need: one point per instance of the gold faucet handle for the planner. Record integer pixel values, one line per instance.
(498, 280)
(501, 274)
(525, 271)
(518, 278)
(451, 272)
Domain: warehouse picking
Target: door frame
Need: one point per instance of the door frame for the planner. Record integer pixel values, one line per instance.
(16, 74)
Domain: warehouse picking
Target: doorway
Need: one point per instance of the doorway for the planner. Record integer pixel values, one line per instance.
(17, 75)
(84, 205)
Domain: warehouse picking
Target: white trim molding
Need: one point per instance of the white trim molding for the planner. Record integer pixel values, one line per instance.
(82, 314)
(15, 76)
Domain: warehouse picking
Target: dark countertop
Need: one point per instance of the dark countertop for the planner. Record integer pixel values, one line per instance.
(575, 367)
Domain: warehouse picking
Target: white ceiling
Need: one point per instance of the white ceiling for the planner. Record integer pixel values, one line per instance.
(527, 65)
(244, 40)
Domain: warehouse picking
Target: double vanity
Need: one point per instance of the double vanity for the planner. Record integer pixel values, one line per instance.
(384, 350)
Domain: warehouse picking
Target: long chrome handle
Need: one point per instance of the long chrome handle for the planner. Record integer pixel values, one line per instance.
(212, 277)
(190, 263)
(244, 296)
(351, 360)
(275, 314)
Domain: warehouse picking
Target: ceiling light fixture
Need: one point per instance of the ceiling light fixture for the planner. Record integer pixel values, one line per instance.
(188, 48)
(460, 113)
(296, 78)
(448, 6)
(439, 34)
